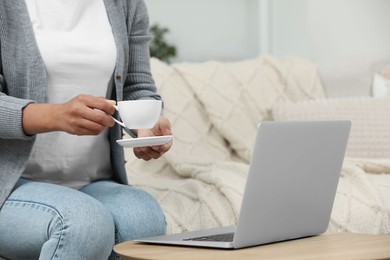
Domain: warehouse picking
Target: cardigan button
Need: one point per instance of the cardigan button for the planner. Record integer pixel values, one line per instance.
(118, 77)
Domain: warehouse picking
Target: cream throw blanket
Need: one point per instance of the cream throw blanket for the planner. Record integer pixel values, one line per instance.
(214, 108)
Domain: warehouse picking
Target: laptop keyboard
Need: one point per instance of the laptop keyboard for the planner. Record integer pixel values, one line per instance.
(227, 237)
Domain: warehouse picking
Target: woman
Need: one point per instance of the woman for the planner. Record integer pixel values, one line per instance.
(64, 192)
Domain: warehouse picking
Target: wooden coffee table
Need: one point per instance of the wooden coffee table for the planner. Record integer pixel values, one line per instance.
(326, 246)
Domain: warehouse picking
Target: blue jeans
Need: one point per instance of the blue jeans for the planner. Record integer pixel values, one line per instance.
(47, 221)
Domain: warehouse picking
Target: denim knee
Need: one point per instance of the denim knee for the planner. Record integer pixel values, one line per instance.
(77, 227)
(143, 217)
(86, 231)
(136, 213)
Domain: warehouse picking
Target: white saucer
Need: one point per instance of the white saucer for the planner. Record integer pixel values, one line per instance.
(144, 141)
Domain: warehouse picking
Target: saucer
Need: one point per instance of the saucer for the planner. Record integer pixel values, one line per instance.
(144, 141)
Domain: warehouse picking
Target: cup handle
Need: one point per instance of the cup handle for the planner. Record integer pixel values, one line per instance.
(117, 121)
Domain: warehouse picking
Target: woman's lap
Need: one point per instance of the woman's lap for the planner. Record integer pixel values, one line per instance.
(136, 213)
(69, 224)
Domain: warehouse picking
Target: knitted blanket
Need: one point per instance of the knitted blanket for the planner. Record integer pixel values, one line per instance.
(214, 108)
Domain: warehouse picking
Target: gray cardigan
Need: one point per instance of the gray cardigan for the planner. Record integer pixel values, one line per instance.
(23, 79)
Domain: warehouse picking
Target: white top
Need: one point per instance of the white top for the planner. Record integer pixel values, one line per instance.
(78, 49)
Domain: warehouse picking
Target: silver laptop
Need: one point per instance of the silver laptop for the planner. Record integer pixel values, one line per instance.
(290, 188)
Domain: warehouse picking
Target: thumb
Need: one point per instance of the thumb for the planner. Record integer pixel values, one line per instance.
(164, 126)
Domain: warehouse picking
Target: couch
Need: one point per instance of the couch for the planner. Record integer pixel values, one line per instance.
(214, 108)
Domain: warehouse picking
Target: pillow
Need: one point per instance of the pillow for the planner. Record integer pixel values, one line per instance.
(381, 83)
(370, 132)
(347, 77)
(238, 95)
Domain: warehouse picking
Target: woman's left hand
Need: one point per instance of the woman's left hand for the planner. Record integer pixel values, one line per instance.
(163, 127)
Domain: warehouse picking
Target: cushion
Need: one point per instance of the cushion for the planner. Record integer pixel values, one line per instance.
(238, 95)
(381, 83)
(370, 132)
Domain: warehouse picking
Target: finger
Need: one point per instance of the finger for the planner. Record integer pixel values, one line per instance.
(103, 104)
(107, 121)
(97, 117)
(141, 155)
(110, 101)
(93, 126)
(165, 126)
(150, 152)
(90, 108)
(163, 148)
(86, 107)
(87, 127)
(144, 133)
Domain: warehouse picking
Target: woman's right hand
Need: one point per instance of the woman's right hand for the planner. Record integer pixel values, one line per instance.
(81, 115)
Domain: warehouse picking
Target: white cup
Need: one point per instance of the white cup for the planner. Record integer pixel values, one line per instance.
(139, 114)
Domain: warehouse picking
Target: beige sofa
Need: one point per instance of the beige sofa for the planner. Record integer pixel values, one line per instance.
(214, 108)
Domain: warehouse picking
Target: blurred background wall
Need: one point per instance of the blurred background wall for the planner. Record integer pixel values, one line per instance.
(319, 30)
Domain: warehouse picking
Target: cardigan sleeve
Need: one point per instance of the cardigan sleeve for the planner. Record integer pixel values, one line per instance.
(139, 83)
(11, 112)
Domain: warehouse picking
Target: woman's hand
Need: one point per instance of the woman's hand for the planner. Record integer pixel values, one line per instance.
(79, 116)
(163, 127)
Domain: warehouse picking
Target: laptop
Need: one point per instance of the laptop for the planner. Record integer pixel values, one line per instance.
(290, 188)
